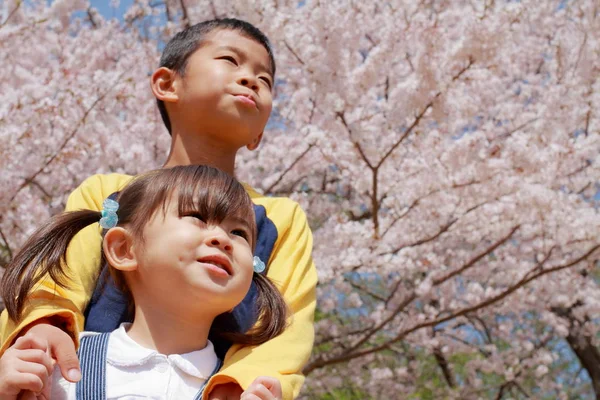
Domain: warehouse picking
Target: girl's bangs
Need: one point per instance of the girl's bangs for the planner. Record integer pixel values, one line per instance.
(215, 196)
(203, 190)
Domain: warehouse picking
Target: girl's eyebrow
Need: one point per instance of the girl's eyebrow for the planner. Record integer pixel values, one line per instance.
(241, 221)
(243, 55)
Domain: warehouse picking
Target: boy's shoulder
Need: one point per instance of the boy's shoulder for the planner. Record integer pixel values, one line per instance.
(92, 191)
(266, 200)
(280, 209)
(104, 181)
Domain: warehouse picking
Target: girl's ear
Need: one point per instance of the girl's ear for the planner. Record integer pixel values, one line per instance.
(254, 144)
(118, 249)
(164, 85)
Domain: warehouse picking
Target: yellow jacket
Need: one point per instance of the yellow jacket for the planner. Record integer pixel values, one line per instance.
(290, 268)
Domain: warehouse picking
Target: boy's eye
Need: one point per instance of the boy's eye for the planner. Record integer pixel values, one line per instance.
(230, 59)
(267, 81)
(242, 233)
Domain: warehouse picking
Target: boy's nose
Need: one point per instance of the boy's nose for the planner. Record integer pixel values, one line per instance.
(249, 82)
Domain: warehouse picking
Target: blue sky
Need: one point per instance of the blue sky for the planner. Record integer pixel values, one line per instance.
(103, 6)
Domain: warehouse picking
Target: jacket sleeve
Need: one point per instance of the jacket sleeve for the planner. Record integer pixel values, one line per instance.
(66, 305)
(292, 270)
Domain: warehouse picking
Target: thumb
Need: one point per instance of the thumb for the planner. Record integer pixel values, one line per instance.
(63, 350)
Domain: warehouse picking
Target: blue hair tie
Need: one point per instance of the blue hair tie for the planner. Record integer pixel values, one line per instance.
(259, 265)
(109, 214)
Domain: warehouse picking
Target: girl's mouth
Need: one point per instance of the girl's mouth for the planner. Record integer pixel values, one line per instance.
(217, 263)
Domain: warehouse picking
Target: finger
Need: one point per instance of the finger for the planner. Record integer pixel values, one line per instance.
(26, 381)
(250, 396)
(45, 395)
(63, 349)
(27, 395)
(29, 368)
(259, 390)
(36, 356)
(30, 342)
(272, 384)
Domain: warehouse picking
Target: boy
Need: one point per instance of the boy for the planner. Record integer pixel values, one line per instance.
(213, 89)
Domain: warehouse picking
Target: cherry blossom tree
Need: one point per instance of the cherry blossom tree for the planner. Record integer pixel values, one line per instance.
(446, 153)
(74, 100)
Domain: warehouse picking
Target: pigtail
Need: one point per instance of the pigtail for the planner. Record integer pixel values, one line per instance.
(272, 316)
(44, 253)
(272, 309)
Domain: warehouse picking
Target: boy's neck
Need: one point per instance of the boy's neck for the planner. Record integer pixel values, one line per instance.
(187, 149)
(170, 333)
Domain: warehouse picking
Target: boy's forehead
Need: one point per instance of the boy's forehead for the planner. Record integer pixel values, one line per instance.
(234, 40)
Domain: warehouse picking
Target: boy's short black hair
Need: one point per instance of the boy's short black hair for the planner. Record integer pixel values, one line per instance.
(179, 49)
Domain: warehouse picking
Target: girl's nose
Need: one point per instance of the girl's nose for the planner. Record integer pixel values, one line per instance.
(219, 239)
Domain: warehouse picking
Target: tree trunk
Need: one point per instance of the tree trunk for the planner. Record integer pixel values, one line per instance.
(588, 355)
(582, 346)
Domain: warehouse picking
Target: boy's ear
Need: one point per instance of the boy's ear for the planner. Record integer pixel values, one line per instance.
(254, 144)
(118, 249)
(164, 85)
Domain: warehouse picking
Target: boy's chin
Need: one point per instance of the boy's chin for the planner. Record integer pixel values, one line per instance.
(234, 138)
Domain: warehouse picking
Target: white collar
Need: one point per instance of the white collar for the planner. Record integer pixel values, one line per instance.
(123, 351)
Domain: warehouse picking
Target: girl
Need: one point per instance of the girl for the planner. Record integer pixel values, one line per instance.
(180, 244)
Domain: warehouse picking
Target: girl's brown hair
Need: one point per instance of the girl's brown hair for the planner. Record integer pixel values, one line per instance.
(200, 189)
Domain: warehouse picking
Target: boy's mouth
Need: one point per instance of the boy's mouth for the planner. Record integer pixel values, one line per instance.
(246, 99)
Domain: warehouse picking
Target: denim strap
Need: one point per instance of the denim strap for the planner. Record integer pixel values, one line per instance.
(92, 358)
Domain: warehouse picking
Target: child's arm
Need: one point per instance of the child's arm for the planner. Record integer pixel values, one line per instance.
(25, 366)
(62, 307)
(293, 272)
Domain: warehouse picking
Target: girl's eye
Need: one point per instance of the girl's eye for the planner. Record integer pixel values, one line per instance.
(230, 59)
(240, 232)
(197, 216)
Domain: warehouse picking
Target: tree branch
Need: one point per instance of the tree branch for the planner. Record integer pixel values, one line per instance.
(8, 249)
(532, 275)
(342, 118)
(407, 210)
(70, 136)
(296, 56)
(14, 10)
(444, 365)
(270, 188)
(443, 229)
(478, 257)
(420, 115)
(366, 291)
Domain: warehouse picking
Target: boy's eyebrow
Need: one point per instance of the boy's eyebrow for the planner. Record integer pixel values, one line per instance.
(241, 53)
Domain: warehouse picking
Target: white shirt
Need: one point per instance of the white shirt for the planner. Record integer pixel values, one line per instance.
(135, 372)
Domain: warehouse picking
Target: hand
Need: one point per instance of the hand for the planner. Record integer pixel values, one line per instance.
(263, 388)
(61, 348)
(26, 367)
(227, 391)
